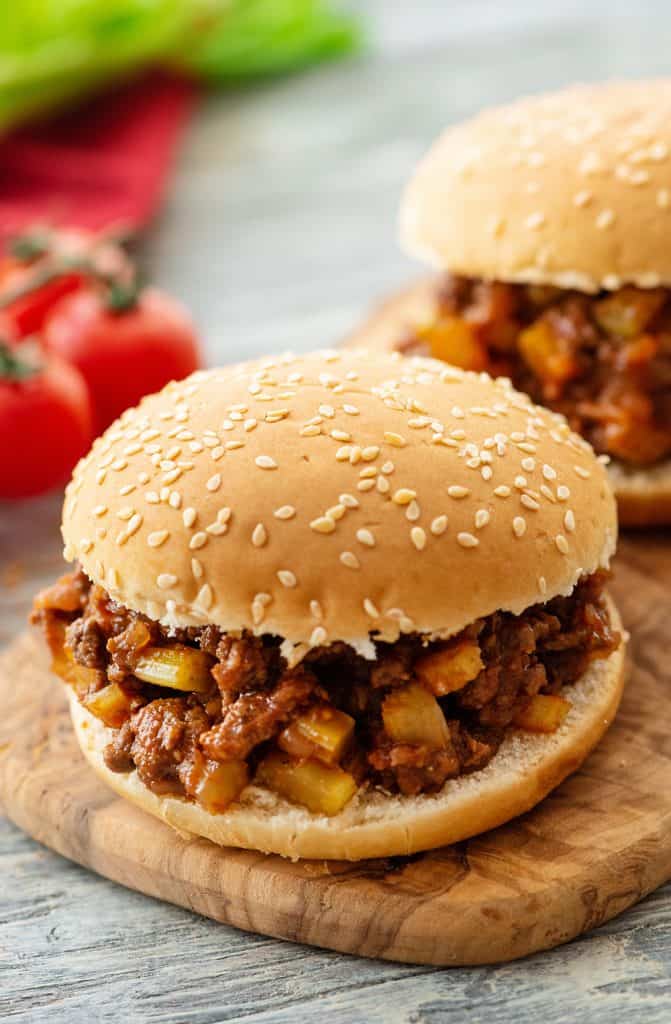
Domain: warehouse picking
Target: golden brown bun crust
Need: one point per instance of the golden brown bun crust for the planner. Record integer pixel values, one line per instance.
(643, 496)
(571, 188)
(525, 769)
(326, 496)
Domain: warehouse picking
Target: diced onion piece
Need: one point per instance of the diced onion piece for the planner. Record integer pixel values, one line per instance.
(544, 713)
(627, 312)
(413, 715)
(322, 732)
(323, 789)
(546, 353)
(455, 341)
(221, 784)
(111, 705)
(177, 667)
(450, 668)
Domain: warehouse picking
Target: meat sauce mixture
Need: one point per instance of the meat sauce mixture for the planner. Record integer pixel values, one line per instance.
(603, 360)
(221, 709)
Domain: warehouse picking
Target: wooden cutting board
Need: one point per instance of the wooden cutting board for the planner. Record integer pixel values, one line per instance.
(594, 847)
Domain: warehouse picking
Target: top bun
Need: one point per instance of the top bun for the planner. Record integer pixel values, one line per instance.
(333, 495)
(570, 189)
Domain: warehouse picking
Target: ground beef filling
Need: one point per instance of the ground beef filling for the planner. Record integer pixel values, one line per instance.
(472, 688)
(602, 360)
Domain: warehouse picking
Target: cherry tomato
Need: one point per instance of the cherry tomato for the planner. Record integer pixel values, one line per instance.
(27, 312)
(122, 355)
(45, 421)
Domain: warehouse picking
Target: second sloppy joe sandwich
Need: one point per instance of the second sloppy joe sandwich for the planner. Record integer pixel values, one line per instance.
(340, 605)
(549, 221)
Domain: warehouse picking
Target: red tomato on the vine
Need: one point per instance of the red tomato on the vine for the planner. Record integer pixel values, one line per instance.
(45, 421)
(122, 354)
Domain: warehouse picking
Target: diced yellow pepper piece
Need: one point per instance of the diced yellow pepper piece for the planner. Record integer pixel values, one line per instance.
(413, 715)
(450, 668)
(454, 340)
(323, 789)
(322, 732)
(627, 312)
(546, 353)
(111, 705)
(178, 667)
(544, 713)
(221, 784)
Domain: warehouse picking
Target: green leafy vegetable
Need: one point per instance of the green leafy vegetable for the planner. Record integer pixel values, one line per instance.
(52, 51)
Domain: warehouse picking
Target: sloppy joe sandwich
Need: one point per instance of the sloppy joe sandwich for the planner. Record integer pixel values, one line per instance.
(341, 605)
(550, 222)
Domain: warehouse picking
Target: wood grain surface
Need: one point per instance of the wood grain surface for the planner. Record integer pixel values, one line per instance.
(598, 844)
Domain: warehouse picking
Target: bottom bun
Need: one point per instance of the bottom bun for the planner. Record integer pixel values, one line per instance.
(377, 824)
(643, 495)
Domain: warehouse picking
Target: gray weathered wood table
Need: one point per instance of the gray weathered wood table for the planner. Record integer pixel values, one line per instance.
(279, 230)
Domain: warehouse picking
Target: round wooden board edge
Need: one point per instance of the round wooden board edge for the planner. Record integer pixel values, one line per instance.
(317, 912)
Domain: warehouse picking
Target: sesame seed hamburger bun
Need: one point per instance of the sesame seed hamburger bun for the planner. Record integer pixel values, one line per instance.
(643, 495)
(336, 500)
(571, 189)
(348, 498)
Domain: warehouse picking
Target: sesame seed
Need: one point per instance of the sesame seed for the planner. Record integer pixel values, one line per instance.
(457, 491)
(175, 500)
(365, 485)
(223, 515)
(502, 491)
(542, 584)
(265, 462)
(285, 512)
(528, 464)
(216, 529)
(563, 492)
(383, 485)
(581, 472)
(316, 610)
(189, 517)
(365, 537)
(562, 543)
(529, 502)
(327, 410)
(370, 608)
(126, 489)
(286, 578)
(85, 545)
(396, 440)
(535, 220)
(520, 482)
(569, 521)
(387, 468)
(348, 500)
(259, 535)
(349, 559)
(467, 540)
(100, 510)
(318, 637)
(335, 511)
(519, 526)
(604, 219)
(438, 526)
(351, 410)
(322, 524)
(549, 473)
(165, 580)
(205, 597)
(368, 471)
(198, 540)
(482, 517)
(231, 446)
(370, 453)
(418, 537)
(582, 198)
(157, 537)
(113, 579)
(403, 496)
(134, 524)
(355, 454)
(343, 454)
(258, 611)
(217, 453)
(197, 568)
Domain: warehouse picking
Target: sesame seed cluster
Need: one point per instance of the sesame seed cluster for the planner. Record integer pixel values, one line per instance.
(571, 188)
(337, 496)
